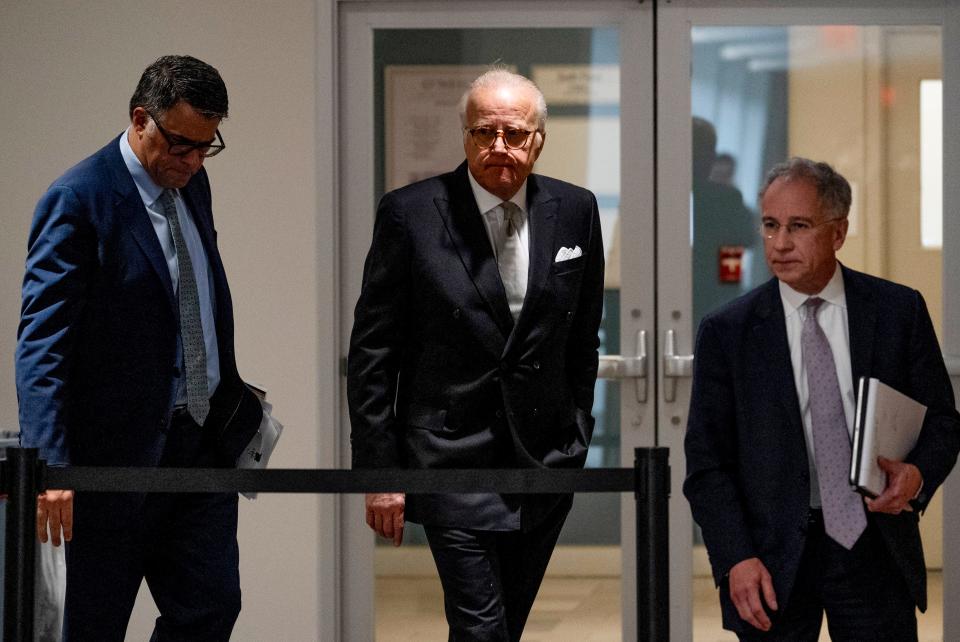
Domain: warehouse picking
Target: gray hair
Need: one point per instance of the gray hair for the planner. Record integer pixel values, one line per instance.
(501, 77)
(833, 190)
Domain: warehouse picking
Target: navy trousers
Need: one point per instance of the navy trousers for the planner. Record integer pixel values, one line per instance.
(491, 578)
(862, 593)
(183, 545)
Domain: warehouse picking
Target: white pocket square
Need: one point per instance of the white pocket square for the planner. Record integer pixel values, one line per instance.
(565, 254)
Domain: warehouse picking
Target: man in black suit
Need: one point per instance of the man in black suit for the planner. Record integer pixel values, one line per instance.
(788, 538)
(475, 346)
(125, 357)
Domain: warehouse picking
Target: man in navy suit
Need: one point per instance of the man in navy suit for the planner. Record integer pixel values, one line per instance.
(785, 544)
(475, 346)
(123, 278)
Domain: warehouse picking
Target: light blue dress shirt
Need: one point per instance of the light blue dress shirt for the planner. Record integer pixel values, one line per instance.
(150, 194)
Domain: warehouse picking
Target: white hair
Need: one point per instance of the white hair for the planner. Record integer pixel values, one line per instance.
(500, 77)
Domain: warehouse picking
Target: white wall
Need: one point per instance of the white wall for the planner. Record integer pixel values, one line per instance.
(66, 74)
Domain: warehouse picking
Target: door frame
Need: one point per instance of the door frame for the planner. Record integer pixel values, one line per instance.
(674, 22)
(356, 22)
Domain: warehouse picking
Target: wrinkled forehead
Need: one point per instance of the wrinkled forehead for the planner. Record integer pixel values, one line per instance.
(791, 198)
(505, 103)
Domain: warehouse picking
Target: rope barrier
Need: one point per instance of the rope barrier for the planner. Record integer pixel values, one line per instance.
(218, 480)
(23, 476)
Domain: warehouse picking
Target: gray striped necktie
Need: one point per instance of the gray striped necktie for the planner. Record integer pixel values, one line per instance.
(843, 515)
(191, 330)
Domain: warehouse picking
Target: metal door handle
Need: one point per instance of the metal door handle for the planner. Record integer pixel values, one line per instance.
(674, 366)
(615, 366)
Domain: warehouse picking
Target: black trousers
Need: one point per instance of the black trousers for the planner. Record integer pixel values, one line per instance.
(861, 591)
(491, 578)
(184, 545)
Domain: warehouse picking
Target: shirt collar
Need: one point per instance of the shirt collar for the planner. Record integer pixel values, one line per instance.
(149, 191)
(487, 201)
(833, 292)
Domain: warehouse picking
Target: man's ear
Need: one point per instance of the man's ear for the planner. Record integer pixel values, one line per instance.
(538, 139)
(841, 234)
(139, 119)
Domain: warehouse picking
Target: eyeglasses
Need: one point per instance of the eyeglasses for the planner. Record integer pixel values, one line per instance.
(770, 228)
(180, 146)
(512, 138)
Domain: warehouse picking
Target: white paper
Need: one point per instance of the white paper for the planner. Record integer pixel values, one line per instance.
(257, 453)
(888, 423)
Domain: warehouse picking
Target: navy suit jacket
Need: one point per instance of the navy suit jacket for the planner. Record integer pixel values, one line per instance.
(440, 376)
(97, 343)
(747, 476)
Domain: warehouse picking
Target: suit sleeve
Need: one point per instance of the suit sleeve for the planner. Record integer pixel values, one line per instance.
(376, 342)
(584, 341)
(939, 440)
(710, 446)
(60, 257)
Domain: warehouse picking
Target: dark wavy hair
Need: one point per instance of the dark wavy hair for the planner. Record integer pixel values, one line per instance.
(170, 79)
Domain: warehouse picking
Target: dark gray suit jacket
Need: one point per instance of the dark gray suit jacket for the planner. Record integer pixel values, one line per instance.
(747, 476)
(440, 376)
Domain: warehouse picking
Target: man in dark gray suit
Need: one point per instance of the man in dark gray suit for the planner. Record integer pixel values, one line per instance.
(767, 444)
(475, 346)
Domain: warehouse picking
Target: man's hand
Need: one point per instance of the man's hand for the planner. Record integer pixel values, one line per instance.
(55, 508)
(385, 515)
(903, 484)
(747, 580)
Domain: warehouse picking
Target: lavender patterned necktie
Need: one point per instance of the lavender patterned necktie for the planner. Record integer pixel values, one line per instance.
(191, 331)
(843, 516)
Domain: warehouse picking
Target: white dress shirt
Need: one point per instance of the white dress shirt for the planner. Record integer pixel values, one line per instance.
(150, 195)
(494, 223)
(833, 319)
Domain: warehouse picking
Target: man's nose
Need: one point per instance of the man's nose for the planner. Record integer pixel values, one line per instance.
(499, 143)
(782, 239)
(194, 158)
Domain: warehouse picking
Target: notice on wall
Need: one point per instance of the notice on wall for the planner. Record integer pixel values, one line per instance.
(423, 135)
(578, 84)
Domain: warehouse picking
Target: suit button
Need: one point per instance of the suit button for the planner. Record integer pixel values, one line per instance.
(499, 414)
(535, 412)
(569, 315)
(456, 313)
(536, 365)
(504, 366)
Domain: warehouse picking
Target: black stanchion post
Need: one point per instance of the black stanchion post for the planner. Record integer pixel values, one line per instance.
(653, 555)
(21, 473)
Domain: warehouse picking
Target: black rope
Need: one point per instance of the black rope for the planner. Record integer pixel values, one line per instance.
(208, 480)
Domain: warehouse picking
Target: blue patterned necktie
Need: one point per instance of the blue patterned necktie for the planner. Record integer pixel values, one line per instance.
(191, 330)
(844, 519)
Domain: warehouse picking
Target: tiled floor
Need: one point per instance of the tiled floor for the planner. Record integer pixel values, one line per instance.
(570, 610)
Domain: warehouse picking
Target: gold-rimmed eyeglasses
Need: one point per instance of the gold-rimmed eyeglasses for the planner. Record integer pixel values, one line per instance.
(487, 136)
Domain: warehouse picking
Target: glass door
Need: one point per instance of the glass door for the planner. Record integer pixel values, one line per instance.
(855, 84)
(404, 73)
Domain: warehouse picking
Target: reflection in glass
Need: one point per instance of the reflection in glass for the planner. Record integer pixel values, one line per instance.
(862, 98)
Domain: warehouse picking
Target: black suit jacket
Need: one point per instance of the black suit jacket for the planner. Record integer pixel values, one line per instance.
(747, 476)
(440, 376)
(97, 343)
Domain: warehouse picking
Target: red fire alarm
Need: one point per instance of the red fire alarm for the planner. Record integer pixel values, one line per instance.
(730, 263)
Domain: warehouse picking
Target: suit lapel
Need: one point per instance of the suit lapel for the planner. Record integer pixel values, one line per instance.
(542, 210)
(465, 227)
(861, 322)
(773, 351)
(132, 214)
